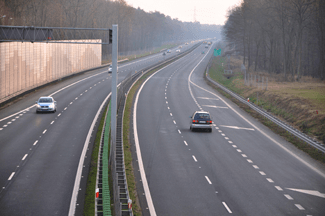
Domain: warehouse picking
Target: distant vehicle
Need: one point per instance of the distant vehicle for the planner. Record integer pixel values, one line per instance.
(164, 53)
(201, 120)
(180, 47)
(209, 43)
(169, 51)
(46, 104)
(178, 50)
(110, 69)
(206, 46)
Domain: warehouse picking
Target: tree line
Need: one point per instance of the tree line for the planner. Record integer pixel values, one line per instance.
(138, 30)
(279, 36)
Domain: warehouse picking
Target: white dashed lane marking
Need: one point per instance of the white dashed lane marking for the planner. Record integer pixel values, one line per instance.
(262, 173)
(278, 188)
(288, 196)
(35, 142)
(185, 143)
(207, 178)
(228, 209)
(194, 158)
(44, 131)
(24, 157)
(269, 180)
(299, 207)
(12, 175)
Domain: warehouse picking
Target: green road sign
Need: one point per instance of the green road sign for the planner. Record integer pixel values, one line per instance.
(217, 52)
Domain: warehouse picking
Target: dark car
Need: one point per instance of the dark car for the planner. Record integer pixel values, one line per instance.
(201, 120)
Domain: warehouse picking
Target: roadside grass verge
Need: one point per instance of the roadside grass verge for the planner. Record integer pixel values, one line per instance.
(286, 108)
(89, 205)
(314, 153)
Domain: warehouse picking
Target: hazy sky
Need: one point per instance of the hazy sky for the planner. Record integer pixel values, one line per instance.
(207, 11)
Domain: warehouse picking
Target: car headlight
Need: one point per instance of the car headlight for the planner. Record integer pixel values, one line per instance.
(38, 106)
(51, 106)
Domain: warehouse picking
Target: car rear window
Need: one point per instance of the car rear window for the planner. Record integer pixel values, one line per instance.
(202, 116)
(42, 100)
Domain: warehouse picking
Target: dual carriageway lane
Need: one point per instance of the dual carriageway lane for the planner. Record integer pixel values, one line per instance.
(40, 153)
(241, 168)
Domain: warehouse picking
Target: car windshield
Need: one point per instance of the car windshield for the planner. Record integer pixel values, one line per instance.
(202, 116)
(45, 100)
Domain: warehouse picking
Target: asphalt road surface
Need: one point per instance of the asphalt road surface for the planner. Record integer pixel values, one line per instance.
(241, 168)
(40, 153)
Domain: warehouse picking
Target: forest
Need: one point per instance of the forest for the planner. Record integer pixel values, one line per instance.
(284, 37)
(138, 30)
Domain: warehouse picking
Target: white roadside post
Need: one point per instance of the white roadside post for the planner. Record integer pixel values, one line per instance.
(114, 85)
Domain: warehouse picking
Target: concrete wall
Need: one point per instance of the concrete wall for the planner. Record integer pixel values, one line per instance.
(24, 66)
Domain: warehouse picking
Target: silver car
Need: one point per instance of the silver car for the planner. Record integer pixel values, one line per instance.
(201, 120)
(110, 69)
(45, 104)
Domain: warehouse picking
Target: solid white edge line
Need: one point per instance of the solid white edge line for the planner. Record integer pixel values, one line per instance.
(138, 150)
(12, 175)
(228, 209)
(75, 191)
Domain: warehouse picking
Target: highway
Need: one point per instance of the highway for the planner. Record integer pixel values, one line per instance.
(40, 153)
(241, 168)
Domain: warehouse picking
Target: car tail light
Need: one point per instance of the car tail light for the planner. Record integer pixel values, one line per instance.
(195, 121)
(209, 122)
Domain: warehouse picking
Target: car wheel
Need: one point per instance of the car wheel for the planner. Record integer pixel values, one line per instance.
(210, 130)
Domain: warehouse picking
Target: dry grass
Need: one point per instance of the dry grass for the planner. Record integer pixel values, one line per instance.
(297, 103)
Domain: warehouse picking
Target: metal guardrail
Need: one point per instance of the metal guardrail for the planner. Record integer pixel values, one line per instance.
(269, 116)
